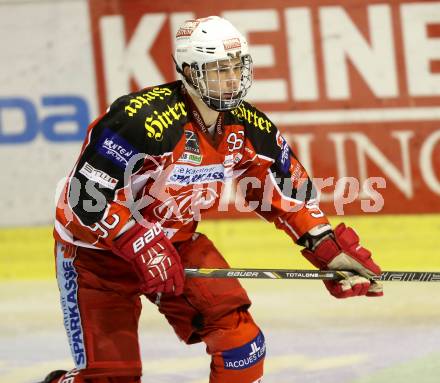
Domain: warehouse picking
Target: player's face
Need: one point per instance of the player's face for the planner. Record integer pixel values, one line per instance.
(223, 78)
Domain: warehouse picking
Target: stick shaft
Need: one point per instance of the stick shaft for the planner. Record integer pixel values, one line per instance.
(395, 276)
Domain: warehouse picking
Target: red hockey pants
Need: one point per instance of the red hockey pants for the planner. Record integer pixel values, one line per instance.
(101, 304)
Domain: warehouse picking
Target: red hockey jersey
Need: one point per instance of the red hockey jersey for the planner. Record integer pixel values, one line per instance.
(151, 156)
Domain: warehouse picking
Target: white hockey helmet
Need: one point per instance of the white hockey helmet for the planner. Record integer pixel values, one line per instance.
(208, 46)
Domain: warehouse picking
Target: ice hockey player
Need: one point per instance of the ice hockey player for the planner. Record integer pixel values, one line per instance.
(126, 220)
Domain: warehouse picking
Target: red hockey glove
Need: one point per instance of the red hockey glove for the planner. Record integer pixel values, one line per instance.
(154, 258)
(345, 253)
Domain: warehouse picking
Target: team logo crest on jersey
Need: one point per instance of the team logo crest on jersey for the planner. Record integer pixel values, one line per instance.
(192, 142)
(191, 155)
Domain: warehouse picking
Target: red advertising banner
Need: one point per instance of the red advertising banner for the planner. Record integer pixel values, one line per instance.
(354, 85)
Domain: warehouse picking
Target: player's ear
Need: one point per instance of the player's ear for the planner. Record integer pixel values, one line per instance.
(188, 75)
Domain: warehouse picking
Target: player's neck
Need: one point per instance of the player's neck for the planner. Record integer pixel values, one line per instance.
(209, 115)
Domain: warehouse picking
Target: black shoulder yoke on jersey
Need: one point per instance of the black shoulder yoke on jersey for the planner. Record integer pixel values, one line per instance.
(268, 142)
(160, 111)
(146, 122)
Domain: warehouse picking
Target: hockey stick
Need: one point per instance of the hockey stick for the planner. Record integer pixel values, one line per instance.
(396, 276)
